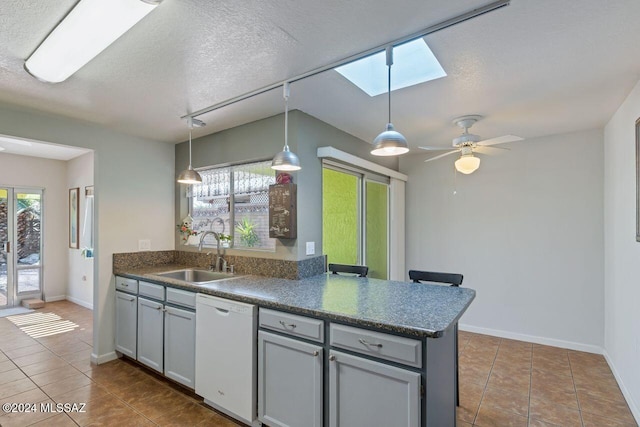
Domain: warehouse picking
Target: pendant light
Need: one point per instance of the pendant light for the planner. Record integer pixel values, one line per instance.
(286, 160)
(190, 176)
(390, 142)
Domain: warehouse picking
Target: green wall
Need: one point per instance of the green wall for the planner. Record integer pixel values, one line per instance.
(377, 230)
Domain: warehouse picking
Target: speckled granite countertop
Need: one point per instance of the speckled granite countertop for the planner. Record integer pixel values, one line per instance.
(405, 308)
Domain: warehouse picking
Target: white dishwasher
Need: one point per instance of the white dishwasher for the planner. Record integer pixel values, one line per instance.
(226, 356)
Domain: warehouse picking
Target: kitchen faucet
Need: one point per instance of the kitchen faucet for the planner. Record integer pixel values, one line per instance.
(219, 260)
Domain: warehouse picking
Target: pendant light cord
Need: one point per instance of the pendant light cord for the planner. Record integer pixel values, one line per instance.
(190, 127)
(389, 51)
(285, 89)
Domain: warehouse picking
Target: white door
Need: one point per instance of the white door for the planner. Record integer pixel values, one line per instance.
(21, 232)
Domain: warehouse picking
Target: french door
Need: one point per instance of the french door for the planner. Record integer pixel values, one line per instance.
(20, 245)
(355, 216)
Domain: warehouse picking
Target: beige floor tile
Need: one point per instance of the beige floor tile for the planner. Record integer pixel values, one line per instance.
(189, 415)
(83, 394)
(515, 402)
(44, 366)
(34, 358)
(34, 415)
(591, 420)
(614, 410)
(165, 403)
(16, 387)
(12, 375)
(55, 375)
(558, 396)
(599, 390)
(66, 385)
(34, 395)
(490, 417)
(540, 379)
(554, 414)
(470, 397)
(25, 351)
(59, 420)
(509, 378)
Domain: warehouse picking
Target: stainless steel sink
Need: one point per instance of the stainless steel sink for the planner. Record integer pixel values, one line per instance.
(192, 275)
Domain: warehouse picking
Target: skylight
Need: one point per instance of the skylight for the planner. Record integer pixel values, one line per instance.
(413, 63)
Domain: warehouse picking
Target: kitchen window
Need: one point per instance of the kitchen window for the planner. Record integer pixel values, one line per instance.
(234, 200)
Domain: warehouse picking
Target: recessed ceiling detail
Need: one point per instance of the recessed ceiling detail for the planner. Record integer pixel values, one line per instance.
(414, 63)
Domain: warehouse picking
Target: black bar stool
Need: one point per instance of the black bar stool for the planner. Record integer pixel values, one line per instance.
(360, 270)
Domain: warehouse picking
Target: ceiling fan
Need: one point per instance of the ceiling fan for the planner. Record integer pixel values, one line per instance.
(467, 144)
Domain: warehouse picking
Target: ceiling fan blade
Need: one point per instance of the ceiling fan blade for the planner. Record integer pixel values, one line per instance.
(500, 140)
(430, 148)
(487, 149)
(441, 155)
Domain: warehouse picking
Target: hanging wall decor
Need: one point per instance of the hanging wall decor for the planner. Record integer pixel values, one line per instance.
(74, 217)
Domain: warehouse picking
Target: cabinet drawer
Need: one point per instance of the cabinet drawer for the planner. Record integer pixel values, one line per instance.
(384, 346)
(299, 326)
(181, 297)
(127, 285)
(151, 290)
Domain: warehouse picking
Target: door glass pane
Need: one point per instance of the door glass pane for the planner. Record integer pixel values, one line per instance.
(28, 280)
(28, 244)
(340, 216)
(4, 237)
(376, 229)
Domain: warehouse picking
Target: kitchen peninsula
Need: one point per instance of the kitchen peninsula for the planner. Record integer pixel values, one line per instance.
(380, 351)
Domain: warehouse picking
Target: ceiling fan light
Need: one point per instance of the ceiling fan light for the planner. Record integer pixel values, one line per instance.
(467, 164)
(390, 143)
(189, 176)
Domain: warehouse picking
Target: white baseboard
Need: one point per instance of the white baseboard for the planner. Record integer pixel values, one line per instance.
(80, 302)
(534, 339)
(103, 358)
(625, 392)
(56, 298)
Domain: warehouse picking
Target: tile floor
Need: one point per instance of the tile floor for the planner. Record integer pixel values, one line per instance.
(514, 383)
(502, 382)
(56, 369)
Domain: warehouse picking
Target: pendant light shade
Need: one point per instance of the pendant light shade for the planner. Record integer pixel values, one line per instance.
(189, 175)
(390, 142)
(286, 160)
(467, 164)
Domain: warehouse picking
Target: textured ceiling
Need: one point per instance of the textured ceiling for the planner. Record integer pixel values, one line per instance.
(533, 68)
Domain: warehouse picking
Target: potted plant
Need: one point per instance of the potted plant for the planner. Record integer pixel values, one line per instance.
(188, 234)
(247, 231)
(225, 240)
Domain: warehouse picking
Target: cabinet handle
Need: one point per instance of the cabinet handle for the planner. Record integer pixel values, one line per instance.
(316, 353)
(126, 285)
(332, 357)
(159, 308)
(291, 325)
(362, 341)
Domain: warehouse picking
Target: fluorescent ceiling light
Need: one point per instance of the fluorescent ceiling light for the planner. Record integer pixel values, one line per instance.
(14, 140)
(414, 63)
(86, 31)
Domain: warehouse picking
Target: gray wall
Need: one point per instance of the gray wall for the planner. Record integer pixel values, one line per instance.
(261, 140)
(525, 229)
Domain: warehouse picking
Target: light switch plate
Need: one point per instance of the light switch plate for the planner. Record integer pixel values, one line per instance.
(311, 248)
(144, 245)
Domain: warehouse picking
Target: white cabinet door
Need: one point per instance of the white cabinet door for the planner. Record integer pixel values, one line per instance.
(289, 382)
(366, 393)
(126, 319)
(150, 333)
(180, 345)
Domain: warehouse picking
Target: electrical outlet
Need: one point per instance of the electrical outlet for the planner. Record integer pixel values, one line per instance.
(311, 248)
(144, 245)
